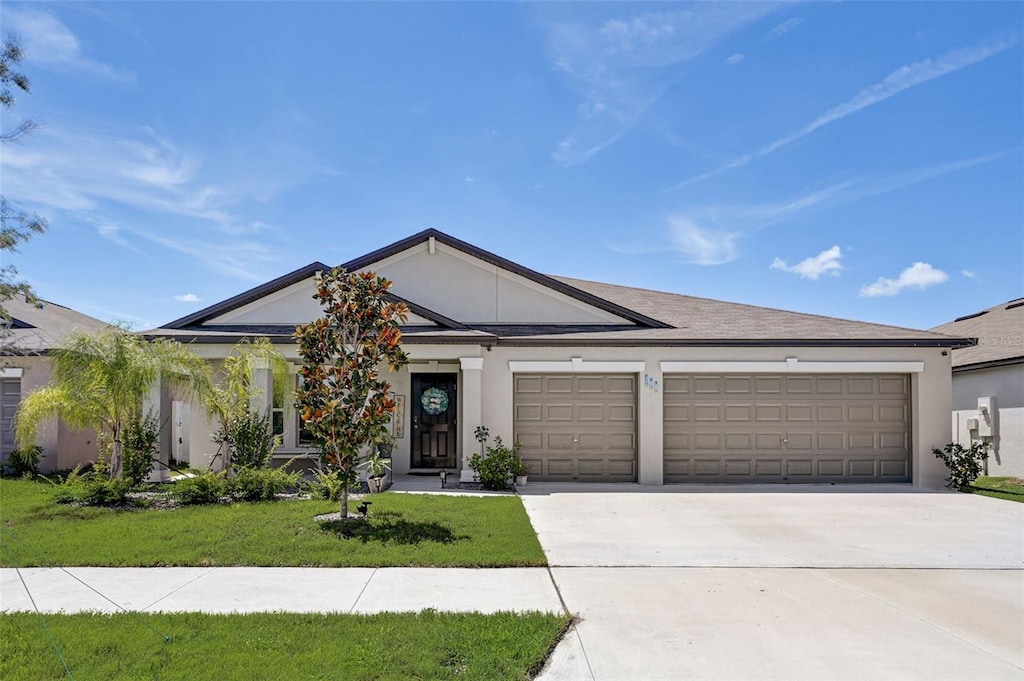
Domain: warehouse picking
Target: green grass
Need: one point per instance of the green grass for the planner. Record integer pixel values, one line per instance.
(427, 645)
(1011, 489)
(404, 530)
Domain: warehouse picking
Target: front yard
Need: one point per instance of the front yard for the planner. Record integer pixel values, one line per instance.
(197, 647)
(403, 530)
(1011, 489)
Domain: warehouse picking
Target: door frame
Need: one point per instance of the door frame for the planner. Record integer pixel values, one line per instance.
(416, 387)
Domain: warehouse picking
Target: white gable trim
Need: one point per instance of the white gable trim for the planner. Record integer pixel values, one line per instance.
(791, 365)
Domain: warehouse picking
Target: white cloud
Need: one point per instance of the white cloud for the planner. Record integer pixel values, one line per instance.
(50, 43)
(969, 274)
(782, 29)
(702, 246)
(734, 58)
(918, 276)
(187, 298)
(826, 262)
(898, 81)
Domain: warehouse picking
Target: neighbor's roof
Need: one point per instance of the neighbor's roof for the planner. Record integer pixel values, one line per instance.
(35, 329)
(1000, 334)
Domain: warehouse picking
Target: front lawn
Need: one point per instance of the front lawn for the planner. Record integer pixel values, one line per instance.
(427, 645)
(1011, 489)
(404, 530)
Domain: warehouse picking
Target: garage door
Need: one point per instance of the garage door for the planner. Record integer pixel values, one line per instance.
(577, 427)
(835, 428)
(10, 396)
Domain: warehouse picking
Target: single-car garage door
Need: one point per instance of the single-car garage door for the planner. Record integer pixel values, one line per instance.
(835, 428)
(577, 427)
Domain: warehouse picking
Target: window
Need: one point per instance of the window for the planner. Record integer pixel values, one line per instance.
(305, 438)
(277, 412)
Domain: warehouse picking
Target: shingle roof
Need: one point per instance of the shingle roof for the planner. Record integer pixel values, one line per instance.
(706, 319)
(1000, 334)
(35, 330)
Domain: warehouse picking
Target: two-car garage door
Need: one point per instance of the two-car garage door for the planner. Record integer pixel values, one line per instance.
(788, 428)
(719, 428)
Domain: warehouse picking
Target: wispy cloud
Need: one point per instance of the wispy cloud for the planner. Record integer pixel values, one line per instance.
(51, 44)
(918, 276)
(782, 29)
(900, 80)
(734, 59)
(826, 262)
(701, 246)
(968, 273)
(623, 64)
(187, 298)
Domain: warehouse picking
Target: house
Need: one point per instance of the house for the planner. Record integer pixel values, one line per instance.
(33, 331)
(610, 383)
(988, 384)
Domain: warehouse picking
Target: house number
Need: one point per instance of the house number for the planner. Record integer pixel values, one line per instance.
(651, 382)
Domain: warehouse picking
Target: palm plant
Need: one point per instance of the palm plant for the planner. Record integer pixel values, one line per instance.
(100, 381)
(228, 401)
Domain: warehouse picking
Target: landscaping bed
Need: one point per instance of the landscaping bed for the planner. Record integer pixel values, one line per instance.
(401, 530)
(193, 646)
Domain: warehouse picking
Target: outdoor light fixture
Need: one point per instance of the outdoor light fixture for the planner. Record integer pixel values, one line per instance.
(444, 477)
(364, 508)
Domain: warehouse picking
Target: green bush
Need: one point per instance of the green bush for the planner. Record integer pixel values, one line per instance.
(964, 463)
(207, 488)
(140, 443)
(93, 490)
(261, 484)
(499, 466)
(23, 461)
(252, 440)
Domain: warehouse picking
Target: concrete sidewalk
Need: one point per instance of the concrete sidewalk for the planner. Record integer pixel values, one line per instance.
(241, 589)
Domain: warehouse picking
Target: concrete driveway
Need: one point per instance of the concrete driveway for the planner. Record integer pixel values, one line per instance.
(815, 582)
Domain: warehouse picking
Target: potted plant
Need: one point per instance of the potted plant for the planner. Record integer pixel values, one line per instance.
(377, 468)
(518, 469)
(385, 444)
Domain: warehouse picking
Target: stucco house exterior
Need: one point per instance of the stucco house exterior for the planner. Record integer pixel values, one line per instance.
(33, 332)
(610, 383)
(988, 384)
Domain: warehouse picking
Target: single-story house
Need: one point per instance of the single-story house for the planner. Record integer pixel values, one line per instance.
(34, 330)
(988, 384)
(610, 383)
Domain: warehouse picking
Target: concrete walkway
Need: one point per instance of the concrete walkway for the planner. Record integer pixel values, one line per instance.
(241, 590)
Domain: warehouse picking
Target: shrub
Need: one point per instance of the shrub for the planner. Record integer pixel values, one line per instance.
(23, 461)
(328, 483)
(497, 468)
(207, 488)
(252, 440)
(92, 490)
(261, 484)
(964, 463)
(140, 443)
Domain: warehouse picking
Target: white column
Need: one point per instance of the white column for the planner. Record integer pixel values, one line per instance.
(263, 380)
(152, 403)
(650, 426)
(472, 395)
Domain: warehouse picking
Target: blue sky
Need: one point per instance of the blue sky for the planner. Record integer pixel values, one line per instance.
(861, 160)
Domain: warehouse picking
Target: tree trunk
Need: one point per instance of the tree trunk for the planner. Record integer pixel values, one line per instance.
(344, 502)
(115, 459)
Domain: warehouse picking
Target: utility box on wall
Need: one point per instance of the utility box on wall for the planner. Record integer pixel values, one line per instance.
(986, 417)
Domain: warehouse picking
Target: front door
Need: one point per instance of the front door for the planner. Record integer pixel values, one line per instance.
(434, 409)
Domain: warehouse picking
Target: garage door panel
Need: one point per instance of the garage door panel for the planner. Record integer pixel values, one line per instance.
(526, 385)
(529, 412)
(832, 428)
(587, 426)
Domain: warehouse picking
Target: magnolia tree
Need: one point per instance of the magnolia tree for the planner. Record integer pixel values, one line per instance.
(342, 399)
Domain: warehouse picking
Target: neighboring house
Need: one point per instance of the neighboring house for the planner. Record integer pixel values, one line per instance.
(988, 384)
(609, 383)
(35, 330)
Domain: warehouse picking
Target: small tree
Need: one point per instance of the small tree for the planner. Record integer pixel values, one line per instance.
(100, 381)
(341, 398)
